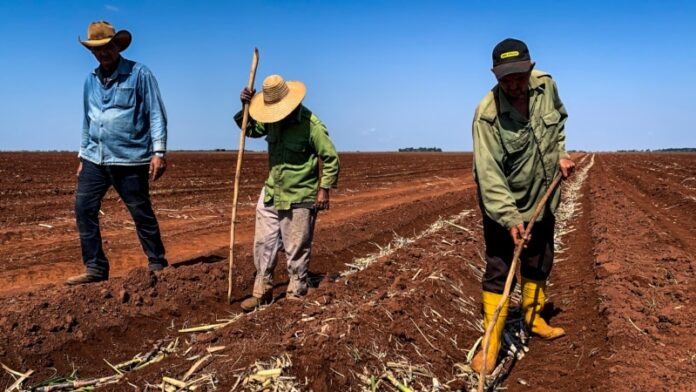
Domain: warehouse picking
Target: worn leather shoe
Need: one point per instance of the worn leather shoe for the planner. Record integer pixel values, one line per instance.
(156, 267)
(84, 279)
(252, 303)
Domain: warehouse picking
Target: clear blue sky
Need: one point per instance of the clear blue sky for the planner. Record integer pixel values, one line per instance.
(380, 74)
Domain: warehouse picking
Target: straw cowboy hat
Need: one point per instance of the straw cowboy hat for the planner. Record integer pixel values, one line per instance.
(102, 32)
(278, 99)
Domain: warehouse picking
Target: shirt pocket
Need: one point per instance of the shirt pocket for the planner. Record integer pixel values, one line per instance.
(550, 130)
(516, 146)
(274, 152)
(124, 97)
(551, 119)
(296, 153)
(515, 142)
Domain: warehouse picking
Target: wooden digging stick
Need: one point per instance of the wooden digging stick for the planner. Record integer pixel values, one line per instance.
(240, 156)
(511, 274)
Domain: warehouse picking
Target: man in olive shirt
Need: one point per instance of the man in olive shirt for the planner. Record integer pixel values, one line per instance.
(293, 192)
(519, 146)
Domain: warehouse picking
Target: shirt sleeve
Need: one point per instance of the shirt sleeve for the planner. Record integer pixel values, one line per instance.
(563, 154)
(319, 137)
(85, 120)
(254, 129)
(154, 109)
(488, 168)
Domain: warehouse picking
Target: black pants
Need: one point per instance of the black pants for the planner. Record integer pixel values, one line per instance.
(132, 185)
(536, 260)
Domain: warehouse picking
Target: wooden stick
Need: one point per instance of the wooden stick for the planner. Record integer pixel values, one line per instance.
(79, 384)
(240, 155)
(511, 274)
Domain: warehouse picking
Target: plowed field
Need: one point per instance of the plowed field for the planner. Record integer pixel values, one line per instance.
(396, 273)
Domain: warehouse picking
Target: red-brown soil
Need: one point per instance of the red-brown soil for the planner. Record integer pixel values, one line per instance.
(192, 202)
(643, 224)
(621, 288)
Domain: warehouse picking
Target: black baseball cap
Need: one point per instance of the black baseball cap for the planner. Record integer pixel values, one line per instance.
(510, 56)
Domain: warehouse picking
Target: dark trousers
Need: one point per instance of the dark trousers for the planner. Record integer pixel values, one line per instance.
(536, 260)
(132, 185)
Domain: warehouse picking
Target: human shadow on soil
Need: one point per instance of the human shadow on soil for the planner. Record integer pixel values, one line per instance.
(205, 259)
(550, 311)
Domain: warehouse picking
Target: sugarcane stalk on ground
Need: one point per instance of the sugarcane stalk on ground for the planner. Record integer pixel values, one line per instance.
(240, 156)
(71, 385)
(508, 282)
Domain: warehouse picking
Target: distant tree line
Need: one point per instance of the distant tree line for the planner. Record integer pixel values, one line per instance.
(420, 149)
(682, 149)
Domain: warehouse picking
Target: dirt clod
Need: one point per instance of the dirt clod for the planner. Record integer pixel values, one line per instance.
(123, 296)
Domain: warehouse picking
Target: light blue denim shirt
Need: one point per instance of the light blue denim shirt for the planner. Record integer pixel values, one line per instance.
(125, 120)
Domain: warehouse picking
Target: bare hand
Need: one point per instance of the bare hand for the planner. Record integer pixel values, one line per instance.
(79, 169)
(519, 234)
(567, 167)
(322, 202)
(157, 167)
(246, 95)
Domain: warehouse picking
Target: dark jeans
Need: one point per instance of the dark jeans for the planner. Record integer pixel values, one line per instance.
(536, 260)
(132, 185)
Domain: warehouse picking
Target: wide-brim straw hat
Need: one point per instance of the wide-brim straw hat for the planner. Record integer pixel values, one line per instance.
(277, 100)
(102, 32)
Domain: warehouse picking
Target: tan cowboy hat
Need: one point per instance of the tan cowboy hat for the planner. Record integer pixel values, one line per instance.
(102, 32)
(278, 99)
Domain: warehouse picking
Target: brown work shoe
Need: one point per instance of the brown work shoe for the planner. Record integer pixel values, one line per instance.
(83, 279)
(252, 303)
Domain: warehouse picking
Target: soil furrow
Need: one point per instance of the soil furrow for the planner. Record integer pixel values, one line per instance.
(68, 327)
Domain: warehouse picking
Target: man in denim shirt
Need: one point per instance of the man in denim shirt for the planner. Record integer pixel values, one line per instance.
(124, 138)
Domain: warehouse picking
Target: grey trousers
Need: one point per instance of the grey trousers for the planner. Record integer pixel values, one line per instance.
(293, 230)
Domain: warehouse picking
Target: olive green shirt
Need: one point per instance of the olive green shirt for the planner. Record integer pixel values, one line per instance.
(516, 159)
(294, 147)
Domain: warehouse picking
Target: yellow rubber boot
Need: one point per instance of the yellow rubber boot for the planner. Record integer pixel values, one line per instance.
(490, 301)
(533, 300)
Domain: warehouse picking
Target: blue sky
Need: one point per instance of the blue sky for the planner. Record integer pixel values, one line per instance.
(380, 74)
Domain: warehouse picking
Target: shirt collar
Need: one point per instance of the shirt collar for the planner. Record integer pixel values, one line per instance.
(536, 86)
(121, 69)
(296, 118)
(505, 106)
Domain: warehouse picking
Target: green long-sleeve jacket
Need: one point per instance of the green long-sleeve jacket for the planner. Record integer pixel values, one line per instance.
(515, 160)
(294, 147)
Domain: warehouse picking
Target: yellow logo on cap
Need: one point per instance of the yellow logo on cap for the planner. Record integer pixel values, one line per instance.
(505, 55)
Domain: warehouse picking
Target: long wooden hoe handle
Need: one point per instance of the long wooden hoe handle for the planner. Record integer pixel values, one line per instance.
(240, 156)
(511, 274)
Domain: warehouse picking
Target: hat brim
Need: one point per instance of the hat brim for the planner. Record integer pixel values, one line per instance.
(505, 69)
(122, 39)
(270, 113)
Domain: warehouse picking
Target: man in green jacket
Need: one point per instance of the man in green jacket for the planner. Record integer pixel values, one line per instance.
(519, 146)
(293, 192)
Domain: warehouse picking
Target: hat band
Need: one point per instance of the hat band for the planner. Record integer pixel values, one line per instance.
(97, 37)
(275, 93)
